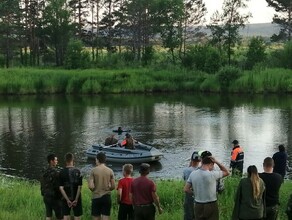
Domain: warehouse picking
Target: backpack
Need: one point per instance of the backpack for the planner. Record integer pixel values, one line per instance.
(49, 183)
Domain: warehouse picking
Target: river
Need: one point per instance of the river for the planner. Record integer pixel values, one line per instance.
(177, 124)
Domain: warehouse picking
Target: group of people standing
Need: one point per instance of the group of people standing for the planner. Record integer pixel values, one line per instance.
(61, 191)
(257, 195)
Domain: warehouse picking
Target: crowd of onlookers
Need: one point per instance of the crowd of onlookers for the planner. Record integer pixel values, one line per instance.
(257, 195)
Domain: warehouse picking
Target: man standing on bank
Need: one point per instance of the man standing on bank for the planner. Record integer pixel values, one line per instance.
(50, 189)
(70, 187)
(203, 183)
(280, 161)
(273, 182)
(237, 158)
(143, 194)
(189, 213)
(101, 182)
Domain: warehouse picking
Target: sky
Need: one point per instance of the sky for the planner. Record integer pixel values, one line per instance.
(258, 8)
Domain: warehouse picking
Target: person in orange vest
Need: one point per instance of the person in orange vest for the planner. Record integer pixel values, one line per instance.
(237, 158)
(128, 142)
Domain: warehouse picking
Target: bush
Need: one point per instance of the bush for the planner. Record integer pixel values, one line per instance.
(202, 57)
(227, 75)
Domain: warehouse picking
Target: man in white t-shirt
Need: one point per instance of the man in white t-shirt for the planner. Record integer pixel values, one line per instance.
(202, 183)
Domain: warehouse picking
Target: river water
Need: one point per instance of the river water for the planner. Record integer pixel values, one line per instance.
(177, 124)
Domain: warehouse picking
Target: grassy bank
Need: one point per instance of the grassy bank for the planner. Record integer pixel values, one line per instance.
(141, 80)
(22, 200)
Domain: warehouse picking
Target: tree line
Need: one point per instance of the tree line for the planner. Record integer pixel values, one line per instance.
(75, 33)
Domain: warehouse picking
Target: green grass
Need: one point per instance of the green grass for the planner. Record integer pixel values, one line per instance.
(21, 199)
(20, 81)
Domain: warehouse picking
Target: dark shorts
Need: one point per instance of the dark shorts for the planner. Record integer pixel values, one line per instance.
(125, 212)
(101, 206)
(53, 205)
(77, 210)
(207, 211)
(144, 212)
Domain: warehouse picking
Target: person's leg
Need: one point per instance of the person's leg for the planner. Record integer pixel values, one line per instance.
(189, 207)
(122, 214)
(66, 210)
(95, 209)
(211, 211)
(272, 213)
(149, 212)
(49, 210)
(57, 207)
(199, 211)
(78, 212)
(106, 206)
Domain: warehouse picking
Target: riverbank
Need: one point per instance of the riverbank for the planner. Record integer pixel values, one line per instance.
(21, 199)
(23, 81)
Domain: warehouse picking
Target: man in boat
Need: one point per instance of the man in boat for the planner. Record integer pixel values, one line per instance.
(110, 140)
(143, 194)
(128, 142)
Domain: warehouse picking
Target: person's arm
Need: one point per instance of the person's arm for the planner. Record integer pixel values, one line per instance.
(157, 202)
(112, 182)
(221, 167)
(74, 203)
(69, 203)
(188, 188)
(91, 185)
(119, 195)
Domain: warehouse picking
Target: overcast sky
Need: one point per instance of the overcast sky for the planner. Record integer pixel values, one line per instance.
(258, 8)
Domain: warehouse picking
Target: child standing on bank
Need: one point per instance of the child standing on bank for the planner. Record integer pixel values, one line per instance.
(123, 191)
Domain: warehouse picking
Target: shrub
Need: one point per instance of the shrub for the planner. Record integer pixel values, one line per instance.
(227, 75)
(256, 52)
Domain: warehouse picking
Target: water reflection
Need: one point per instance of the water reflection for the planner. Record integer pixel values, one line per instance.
(32, 126)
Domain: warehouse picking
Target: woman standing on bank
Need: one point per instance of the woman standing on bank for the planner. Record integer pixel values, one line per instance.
(249, 200)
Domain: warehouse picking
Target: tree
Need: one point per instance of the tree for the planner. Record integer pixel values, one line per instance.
(193, 18)
(283, 17)
(168, 15)
(256, 52)
(57, 28)
(225, 27)
(9, 28)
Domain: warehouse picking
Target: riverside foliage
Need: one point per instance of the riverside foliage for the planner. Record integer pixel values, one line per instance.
(21, 199)
(19, 81)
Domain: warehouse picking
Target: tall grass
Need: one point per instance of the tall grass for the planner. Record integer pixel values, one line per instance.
(19, 81)
(21, 199)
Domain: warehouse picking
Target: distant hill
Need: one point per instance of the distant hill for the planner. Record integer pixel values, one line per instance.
(263, 29)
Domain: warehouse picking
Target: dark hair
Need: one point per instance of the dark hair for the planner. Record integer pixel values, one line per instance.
(144, 169)
(206, 154)
(69, 157)
(252, 169)
(101, 157)
(207, 160)
(281, 148)
(51, 157)
(268, 162)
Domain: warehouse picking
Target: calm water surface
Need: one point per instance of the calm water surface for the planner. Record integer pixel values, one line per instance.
(177, 124)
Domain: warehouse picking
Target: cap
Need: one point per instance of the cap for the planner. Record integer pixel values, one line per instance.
(144, 167)
(235, 142)
(206, 154)
(195, 156)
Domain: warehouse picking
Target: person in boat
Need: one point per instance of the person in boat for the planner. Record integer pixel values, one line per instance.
(128, 142)
(110, 140)
(120, 130)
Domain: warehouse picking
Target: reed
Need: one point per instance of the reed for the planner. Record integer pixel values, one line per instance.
(21, 199)
(19, 81)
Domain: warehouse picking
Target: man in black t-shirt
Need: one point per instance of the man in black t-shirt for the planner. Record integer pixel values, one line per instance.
(70, 187)
(280, 161)
(273, 182)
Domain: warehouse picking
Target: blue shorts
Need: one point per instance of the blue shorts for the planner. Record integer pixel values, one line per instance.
(101, 206)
